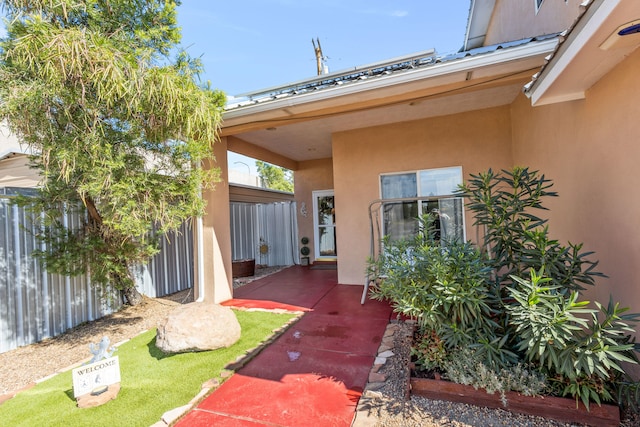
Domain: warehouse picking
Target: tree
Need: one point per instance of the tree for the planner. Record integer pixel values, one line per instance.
(119, 129)
(275, 177)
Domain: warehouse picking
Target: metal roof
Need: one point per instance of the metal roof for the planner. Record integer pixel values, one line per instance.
(377, 70)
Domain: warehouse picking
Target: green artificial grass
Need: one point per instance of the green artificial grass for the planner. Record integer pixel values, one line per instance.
(151, 382)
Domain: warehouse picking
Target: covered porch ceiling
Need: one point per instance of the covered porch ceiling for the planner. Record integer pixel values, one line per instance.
(606, 33)
(295, 122)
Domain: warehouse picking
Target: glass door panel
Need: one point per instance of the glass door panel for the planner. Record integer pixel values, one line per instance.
(324, 217)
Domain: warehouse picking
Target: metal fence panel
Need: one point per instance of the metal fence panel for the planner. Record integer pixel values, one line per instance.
(273, 225)
(171, 270)
(243, 231)
(35, 304)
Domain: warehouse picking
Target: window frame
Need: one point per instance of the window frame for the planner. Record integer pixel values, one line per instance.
(420, 199)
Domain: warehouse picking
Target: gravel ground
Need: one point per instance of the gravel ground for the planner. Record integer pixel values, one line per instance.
(388, 406)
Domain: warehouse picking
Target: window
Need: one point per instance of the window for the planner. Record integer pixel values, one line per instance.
(422, 192)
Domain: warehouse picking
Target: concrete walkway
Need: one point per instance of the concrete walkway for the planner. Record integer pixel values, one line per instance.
(312, 375)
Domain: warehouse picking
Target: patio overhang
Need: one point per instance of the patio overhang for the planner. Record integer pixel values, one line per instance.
(297, 125)
(591, 49)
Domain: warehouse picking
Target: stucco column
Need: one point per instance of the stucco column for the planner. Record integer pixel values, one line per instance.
(217, 285)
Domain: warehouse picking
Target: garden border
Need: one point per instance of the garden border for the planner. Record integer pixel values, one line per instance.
(556, 408)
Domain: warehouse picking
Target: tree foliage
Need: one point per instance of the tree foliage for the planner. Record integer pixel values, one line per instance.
(275, 177)
(117, 126)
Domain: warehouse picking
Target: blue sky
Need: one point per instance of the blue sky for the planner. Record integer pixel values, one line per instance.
(246, 45)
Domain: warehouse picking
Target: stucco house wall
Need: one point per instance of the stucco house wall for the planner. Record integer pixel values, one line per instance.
(474, 140)
(312, 175)
(213, 281)
(515, 20)
(16, 172)
(590, 149)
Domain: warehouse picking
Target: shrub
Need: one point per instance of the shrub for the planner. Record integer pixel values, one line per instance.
(463, 367)
(582, 353)
(445, 287)
(502, 317)
(516, 240)
(428, 352)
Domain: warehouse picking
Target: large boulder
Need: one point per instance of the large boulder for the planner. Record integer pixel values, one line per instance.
(198, 327)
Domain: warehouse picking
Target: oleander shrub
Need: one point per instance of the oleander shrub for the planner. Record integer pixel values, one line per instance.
(507, 315)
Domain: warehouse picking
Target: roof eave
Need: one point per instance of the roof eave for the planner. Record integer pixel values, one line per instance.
(496, 58)
(560, 79)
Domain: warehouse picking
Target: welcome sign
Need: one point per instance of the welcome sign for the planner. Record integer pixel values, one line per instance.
(95, 376)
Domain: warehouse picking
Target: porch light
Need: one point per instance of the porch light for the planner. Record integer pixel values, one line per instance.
(626, 35)
(632, 29)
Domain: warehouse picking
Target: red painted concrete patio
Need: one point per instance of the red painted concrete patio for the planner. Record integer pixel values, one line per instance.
(312, 375)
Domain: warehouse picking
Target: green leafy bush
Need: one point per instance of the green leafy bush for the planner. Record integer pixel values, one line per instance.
(508, 316)
(580, 348)
(516, 240)
(428, 350)
(464, 367)
(445, 287)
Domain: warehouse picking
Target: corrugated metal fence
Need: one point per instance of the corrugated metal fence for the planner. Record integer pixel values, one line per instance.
(35, 304)
(267, 233)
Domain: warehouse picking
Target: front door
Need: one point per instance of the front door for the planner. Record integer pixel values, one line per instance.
(324, 220)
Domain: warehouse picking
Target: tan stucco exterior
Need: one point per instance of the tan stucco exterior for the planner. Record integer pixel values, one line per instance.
(16, 172)
(216, 237)
(514, 20)
(311, 176)
(590, 149)
(476, 141)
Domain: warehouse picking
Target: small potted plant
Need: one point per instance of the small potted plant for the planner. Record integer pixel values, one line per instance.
(304, 251)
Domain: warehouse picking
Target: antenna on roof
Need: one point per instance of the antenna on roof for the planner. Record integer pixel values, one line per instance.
(320, 58)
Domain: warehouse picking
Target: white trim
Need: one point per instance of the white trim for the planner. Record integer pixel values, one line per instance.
(496, 58)
(316, 225)
(200, 256)
(569, 50)
(480, 13)
(419, 194)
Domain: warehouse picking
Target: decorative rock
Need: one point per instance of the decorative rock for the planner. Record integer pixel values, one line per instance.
(198, 327)
(372, 394)
(373, 386)
(89, 400)
(384, 347)
(211, 383)
(173, 414)
(386, 354)
(375, 377)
